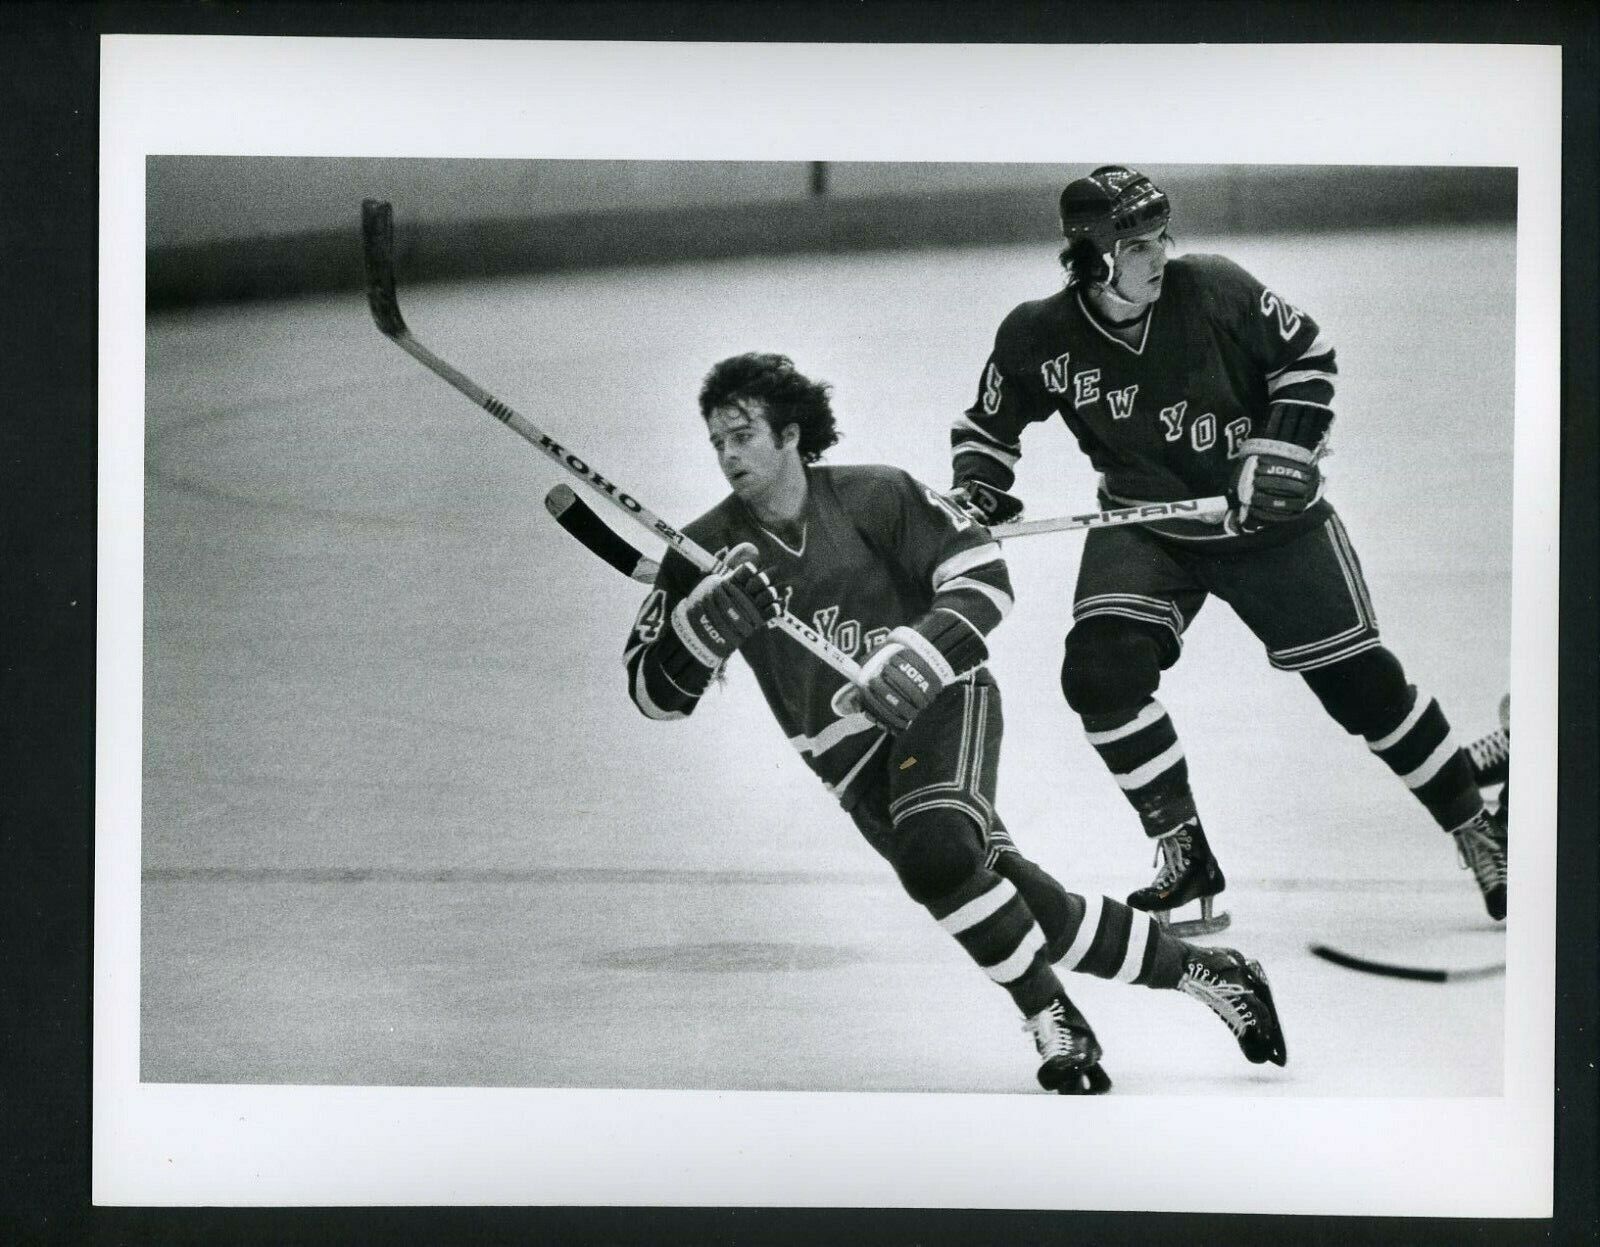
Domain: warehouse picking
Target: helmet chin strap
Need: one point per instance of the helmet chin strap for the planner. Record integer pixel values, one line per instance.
(1116, 309)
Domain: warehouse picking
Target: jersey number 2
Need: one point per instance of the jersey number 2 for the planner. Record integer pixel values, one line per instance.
(1288, 317)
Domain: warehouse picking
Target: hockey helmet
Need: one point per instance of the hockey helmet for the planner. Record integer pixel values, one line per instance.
(1111, 204)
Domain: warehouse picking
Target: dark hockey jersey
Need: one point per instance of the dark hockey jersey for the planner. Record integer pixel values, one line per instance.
(877, 549)
(1159, 419)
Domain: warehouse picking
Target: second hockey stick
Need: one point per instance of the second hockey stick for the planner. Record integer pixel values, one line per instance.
(377, 237)
(579, 519)
(1418, 974)
(1144, 513)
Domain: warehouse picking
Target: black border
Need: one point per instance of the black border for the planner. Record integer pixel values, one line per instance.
(49, 101)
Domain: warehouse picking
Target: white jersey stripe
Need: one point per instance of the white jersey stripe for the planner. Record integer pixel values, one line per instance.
(1296, 378)
(1016, 965)
(1138, 940)
(1433, 765)
(965, 424)
(965, 560)
(1001, 599)
(1319, 346)
(978, 908)
(1342, 541)
(1140, 776)
(1418, 709)
(1083, 941)
(1328, 659)
(1160, 610)
(1311, 647)
(1128, 614)
(1153, 712)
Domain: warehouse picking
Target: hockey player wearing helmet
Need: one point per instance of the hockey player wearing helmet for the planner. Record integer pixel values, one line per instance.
(1186, 377)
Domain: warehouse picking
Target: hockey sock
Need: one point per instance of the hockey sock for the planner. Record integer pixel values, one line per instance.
(1049, 902)
(1142, 751)
(989, 919)
(1109, 940)
(1421, 749)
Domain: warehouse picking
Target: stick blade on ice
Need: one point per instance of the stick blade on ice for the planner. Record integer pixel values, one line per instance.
(1418, 974)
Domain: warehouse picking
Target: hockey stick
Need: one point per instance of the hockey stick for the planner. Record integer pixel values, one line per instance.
(1144, 513)
(377, 237)
(1419, 974)
(578, 518)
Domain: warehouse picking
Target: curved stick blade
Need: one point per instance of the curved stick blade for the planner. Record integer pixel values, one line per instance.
(377, 250)
(1419, 974)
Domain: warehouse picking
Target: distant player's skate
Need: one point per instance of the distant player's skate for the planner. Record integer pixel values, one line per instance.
(1068, 1049)
(1236, 990)
(1481, 840)
(1188, 872)
(1481, 846)
(1490, 756)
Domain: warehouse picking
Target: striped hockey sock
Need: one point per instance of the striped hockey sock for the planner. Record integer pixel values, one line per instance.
(1421, 749)
(1142, 751)
(1109, 940)
(989, 919)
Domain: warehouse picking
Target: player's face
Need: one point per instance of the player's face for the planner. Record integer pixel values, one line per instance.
(752, 457)
(1141, 262)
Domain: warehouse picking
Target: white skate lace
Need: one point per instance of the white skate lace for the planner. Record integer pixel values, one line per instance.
(1049, 1030)
(1477, 848)
(1170, 857)
(1224, 999)
(1489, 751)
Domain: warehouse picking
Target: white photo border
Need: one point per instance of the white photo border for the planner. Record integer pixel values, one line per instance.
(1399, 104)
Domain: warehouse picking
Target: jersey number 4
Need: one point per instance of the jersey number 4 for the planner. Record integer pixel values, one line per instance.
(651, 616)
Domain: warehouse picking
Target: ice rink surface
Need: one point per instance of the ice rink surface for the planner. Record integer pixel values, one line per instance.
(402, 825)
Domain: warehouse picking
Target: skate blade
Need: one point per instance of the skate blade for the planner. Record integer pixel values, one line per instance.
(1207, 923)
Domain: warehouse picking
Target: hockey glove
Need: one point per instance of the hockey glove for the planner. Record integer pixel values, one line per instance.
(1276, 477)
(1272, 481)
(726, 608)
(906, 674)
(984, 503)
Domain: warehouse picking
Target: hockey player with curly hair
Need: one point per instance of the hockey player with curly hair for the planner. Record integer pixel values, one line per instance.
(891, 572)
(1180, 378)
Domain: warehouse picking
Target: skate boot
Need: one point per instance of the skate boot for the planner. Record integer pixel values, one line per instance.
(1481, 845)
(1490, 757)
(1069, 1050)
(1237, 991)
(1187, 873)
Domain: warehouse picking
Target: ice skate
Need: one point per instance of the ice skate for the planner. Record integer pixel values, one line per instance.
(1490, 757)
(1237, 991)
(1187, 873)
(1070, 1052)
(1481, 845)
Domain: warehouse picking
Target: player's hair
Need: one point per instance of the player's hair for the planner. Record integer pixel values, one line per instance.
(1084, 264)
(787, 397)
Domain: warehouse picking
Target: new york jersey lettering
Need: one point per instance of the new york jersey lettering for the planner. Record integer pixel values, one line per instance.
(1120, 402)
